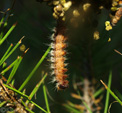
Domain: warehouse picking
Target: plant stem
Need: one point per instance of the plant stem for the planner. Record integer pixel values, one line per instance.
(112, 93)
(9, 67)
(6, 53)
(8, 33)
(98, 92)
(25, 96)
(36, 88)
(14, 70)
(46, 99)
(107, 94)
(35, 68)
(12, 50)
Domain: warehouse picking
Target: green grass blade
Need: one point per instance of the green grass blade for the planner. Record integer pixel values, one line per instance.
(6, 53)
(46, 99)
(2, 31)
(112, 93)
(2, 103)
(23, 93)
(71, 109)
(14, 70)
(4, 17)
(4, 65)
(97, 93)
(8, 33)
(12, 50)
(35, 68)
(29, 110)
(108, 94)
(85, 104)
(1, 21)
(26, 107)
(38, 107)
(9, 67)
(13, 81)
(118, 94)
(25, 96)
(36, 88)
(18, 92)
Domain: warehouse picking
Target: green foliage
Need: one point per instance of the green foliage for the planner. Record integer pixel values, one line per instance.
(7, 86)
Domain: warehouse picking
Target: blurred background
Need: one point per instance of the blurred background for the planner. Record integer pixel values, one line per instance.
(86, 57)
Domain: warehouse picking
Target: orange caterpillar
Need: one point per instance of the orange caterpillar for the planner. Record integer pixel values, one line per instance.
(118, 14)
(58, 58)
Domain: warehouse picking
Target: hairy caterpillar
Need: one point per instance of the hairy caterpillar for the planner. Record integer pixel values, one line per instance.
(58, 58)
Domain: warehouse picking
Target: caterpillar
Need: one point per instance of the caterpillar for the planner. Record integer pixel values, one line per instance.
(58, 58)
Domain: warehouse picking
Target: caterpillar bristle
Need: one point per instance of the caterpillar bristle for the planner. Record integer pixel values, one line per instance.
(52, 45)
(52, 73)
(52, 66)
(52, 37)
(51, 53)
(52, 59)
(54, 29)
(53, 80)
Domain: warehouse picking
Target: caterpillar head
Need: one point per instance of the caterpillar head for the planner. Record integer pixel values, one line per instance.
(62, 86)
